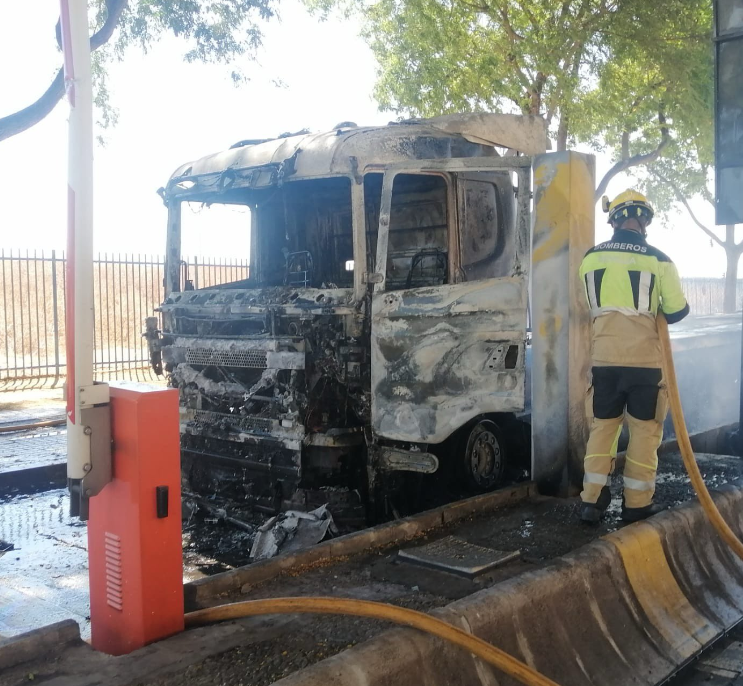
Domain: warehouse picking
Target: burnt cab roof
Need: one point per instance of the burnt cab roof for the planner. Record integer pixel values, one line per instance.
(349, 149)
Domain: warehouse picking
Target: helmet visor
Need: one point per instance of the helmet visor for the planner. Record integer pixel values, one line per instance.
(631, 210)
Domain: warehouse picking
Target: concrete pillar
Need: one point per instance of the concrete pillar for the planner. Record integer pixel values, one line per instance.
(562, 232)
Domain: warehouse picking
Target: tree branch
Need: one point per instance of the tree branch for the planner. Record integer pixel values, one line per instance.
(58, 33)
(635, 160)
(512, 34)
(625, 145)
(18, 122)
(551, 111)
(532, 19)
(535, 95)
(682, 199)
(565, 9)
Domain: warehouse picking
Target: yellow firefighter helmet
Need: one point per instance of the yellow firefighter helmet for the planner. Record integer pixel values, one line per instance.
(629, 204)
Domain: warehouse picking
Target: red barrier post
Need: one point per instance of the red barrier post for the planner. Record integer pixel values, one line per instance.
(134, 531)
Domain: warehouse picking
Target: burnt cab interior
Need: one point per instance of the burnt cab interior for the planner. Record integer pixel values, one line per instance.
(303, 231)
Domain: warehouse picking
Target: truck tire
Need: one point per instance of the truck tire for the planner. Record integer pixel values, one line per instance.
(482, 456)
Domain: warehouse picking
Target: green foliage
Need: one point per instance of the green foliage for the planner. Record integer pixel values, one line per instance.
(108, 116)
(628, 77)
(443, 55)
(665, 72)
(213, 31)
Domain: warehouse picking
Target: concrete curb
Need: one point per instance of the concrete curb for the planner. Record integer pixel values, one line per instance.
(715, 441)
(31, 479)
(199, 593)
(10, 427)
(630, 608)
(38, 644)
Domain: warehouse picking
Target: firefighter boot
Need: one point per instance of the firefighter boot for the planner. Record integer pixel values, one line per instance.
(591, 513)
(636, 514)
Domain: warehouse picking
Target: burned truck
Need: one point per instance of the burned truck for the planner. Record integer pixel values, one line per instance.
(380, 334)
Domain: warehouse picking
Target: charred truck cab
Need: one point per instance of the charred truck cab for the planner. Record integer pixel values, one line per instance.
(382, 326)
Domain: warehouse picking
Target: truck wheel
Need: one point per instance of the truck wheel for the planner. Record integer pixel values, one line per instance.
(482, 456)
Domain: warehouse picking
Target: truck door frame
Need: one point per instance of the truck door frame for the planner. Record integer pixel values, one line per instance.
(521, 166)
(413, 421)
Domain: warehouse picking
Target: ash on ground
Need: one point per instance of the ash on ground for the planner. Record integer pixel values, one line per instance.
(542, 530)
(219, 534)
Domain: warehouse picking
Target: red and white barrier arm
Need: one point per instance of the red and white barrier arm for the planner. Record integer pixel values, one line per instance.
(81, 391)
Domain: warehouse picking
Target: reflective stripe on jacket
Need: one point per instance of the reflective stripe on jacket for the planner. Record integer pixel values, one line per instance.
(629, 276)
(626, 282)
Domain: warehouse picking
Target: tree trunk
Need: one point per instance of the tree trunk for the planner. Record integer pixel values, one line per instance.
(635, 160)
(535, 94)
(17, 122)
(24, 119)
(732, 253)
(562, 132)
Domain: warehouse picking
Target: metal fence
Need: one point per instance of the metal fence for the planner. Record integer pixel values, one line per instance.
(127, 289)
(706, 296)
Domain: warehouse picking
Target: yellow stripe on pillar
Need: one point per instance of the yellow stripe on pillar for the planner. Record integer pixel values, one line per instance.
(562, 232)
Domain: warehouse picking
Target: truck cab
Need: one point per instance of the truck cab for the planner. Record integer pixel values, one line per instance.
(381, 329)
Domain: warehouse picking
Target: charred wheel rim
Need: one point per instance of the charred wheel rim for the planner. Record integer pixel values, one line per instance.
(484, 456)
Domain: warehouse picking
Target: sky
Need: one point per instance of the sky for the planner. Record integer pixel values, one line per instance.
(171, 112)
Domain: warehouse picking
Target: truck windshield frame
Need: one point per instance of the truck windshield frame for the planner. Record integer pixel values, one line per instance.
(302, 233)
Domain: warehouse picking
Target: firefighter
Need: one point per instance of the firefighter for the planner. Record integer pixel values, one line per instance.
(627, 281)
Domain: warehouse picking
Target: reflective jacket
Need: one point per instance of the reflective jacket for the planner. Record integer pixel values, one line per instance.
(626, 282)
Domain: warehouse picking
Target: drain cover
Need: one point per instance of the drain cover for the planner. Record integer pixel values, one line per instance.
(452, 554)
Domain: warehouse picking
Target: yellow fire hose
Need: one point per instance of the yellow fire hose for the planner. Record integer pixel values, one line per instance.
(687, 453)
(366, 608)
(419, 620)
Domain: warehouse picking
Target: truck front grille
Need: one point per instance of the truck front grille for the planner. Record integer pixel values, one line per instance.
(244, 423)
(254, 359)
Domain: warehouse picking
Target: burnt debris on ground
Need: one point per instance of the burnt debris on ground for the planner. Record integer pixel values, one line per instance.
(541, 530)
(219, 532)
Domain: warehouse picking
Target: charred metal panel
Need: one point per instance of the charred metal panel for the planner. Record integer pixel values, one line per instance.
(398, 460)
(231, 301)
(487, 240)
(273, 387)
(244, 354)
(275, 371)
(563, 231)
(349, 149)
(241, 428)
(260, 472)
(443, 355)
(337, 153)
(526, 134)
(358, 203)
(439, 357)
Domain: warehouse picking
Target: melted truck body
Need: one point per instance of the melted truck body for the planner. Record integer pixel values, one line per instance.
(382, 327)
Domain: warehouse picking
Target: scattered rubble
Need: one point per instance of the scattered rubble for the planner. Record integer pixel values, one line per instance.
(291, 531)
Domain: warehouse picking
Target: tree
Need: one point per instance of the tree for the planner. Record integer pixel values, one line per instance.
(652, 100)
(625, 76)
(217, 31)
(628, 77)
(665, 187)
(684, 172)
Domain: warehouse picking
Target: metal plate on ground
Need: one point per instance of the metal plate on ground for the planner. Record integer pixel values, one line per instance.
(457, 556)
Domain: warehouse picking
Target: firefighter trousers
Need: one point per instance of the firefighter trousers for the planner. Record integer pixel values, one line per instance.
(638, 393)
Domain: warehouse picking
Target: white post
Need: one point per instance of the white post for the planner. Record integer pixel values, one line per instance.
(79, 335)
